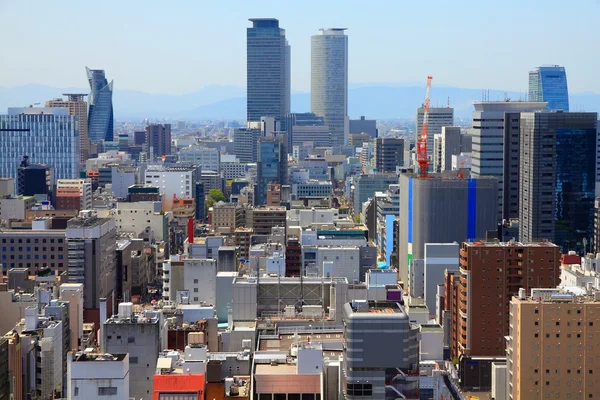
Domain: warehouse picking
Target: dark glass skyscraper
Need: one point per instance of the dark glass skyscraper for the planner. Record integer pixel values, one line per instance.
(558, 158)
(271, 165)
(100, 113)
(268, 70)
(549, 84)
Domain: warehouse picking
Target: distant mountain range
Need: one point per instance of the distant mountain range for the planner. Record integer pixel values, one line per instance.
(228, 102)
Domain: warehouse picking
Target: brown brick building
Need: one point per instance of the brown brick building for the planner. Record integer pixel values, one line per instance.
(479, 295)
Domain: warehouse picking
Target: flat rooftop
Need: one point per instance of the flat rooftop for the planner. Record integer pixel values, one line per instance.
(285, 342)
(509, 244)
(82, 356)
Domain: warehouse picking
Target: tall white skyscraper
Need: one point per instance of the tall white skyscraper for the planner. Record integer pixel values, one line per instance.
(329, 81)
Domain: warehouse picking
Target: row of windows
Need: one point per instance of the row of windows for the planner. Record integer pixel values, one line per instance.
(29, 240)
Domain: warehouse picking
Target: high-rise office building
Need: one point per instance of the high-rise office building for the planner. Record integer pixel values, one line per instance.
(442, 210)
(549, 84)
(78, 107)
(100, 112)
(329, 82)
(438, 117)
(45, 135)
(306, 127)
(35, 179)
(270, 166)
(158, 139)
(552, 347)
(268, 70)
(389, 154)
(490, 136)
(245, 144)
(363, 125)
(558, 174)
(490, 274)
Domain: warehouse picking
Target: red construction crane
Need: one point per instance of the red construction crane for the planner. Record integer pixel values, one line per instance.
(422, 141)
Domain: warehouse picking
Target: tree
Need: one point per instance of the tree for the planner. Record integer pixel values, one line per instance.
(216, 195)
(357, 218)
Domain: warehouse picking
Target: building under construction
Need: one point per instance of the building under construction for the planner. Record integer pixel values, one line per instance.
(442, 208)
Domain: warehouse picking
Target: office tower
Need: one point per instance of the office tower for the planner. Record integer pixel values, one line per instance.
(389, 154)
(91, 243)
(199, 200)
(268, 70)
(363, 125)
(245, 144)
(46, 135)
(490, 274)
(138, 335)
(490, 135)
(329, 81)
(451, 143)
(73, 194)
(441, 210)
(307, 127)
(549, 84)
(270, 166)
(438, 117)
(366, 185)
(372, 356)
(558, 173)
(35, 179)
(158, 140)
(552, 346)
(100, 112)
(78, 107)
(206, 157)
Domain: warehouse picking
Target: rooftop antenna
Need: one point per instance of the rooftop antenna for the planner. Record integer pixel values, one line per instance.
(448, 104)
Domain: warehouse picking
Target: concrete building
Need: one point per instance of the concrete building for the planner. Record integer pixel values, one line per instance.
(450, 144)
(379, 341)
(234, 170)
(551, 348)
(190, 280)
(557, 190)
(312, 189)
(73, 194)
(226, 217)
(158, 140)
(73, 293)
(172, 181)
(389, 154)
(263, 219)
(95, 375)
(306, 127)
(7, 187)
(363, 126)
(441, 210)
(77, 107)
(35, 249)
(490, 274)
(15, 207)
(496, 131)
(139, 336)
(438, 117)
(329, 82)
(91, 243)
(268, 70)
(439, 257)
(137, 216)
(245, 144)
(207, 158)
(46, 135)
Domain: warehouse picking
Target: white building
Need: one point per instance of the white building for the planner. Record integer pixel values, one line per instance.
(122, 178)
(207, 158)
(312, 189)
(137, 216)
(329, 82)
(461, 161)
(47, 135)
(318, 135)
(438, 258)
(172, 181)
(305, 218)
(72, 186)
(97, 375)
(190, 280)
(73, 293)
(339, 262)
(236, 169)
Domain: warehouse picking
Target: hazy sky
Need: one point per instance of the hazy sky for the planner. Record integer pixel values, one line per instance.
(180, 46)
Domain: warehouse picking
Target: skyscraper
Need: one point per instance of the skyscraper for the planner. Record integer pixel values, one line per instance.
(549, 84)
(389, 154)
(77, 106)
(158, 138)
(558, 161)
(45, 135)
(100, 114)
(438, 117)
(271, 165)
(329, 81)
(268, 70)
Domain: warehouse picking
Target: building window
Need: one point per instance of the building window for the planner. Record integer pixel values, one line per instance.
(131, 339)
(107, 391)
(133, 360)
(177, 396)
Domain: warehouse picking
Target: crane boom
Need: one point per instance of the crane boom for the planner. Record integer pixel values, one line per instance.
(422, 158)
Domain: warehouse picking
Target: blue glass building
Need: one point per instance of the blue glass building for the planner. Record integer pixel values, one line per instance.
(100, 113)
(559, 154)
(268, 70)
(270, 166)
(549, 84)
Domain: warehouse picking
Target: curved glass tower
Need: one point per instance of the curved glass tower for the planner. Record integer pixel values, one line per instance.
(329, 81)
(550, 84)
(100, 113)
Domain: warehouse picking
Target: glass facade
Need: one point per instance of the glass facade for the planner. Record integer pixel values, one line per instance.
(269, 167)
(575, 186)
(100, 113)
(549, 84)
(268, 70)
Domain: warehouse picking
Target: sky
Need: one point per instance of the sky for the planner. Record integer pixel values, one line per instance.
(181, 46)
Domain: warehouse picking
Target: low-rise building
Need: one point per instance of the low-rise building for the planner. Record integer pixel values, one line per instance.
(92, 375)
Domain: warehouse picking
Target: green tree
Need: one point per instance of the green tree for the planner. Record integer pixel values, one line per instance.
(357, 218)
(216, 195)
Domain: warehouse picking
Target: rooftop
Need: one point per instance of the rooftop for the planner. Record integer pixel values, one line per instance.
(509, 244)
(91, 356)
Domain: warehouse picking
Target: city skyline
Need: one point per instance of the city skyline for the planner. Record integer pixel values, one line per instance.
(382, 37)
